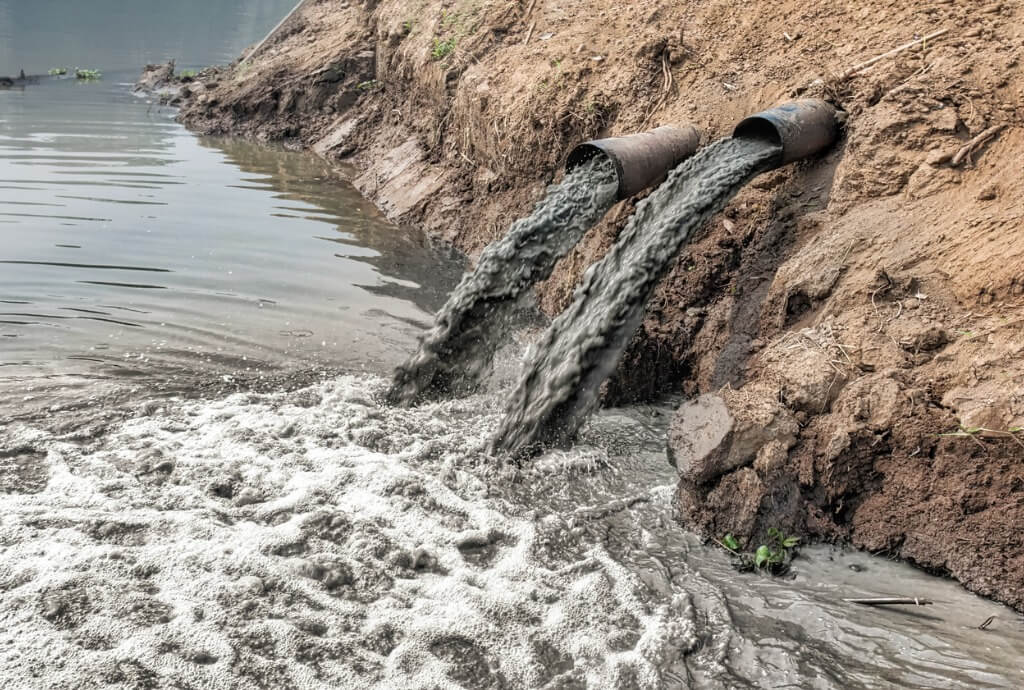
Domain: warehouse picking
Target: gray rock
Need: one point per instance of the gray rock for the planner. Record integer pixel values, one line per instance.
(716, 434)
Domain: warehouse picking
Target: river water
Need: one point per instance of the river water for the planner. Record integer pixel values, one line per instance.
(131, 250)
(169, 519)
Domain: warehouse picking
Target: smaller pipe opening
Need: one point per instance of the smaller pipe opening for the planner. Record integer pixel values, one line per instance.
(581, 154)
(760, 128)
(589, 151)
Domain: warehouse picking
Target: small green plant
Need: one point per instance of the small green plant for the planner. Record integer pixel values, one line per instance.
(975, 433)
(777, 552)
(58, 71)
(368, 85)
(772, 557)
(188, 74)
(407, 26)
(88, 74)
(442, 49)
(731, 543)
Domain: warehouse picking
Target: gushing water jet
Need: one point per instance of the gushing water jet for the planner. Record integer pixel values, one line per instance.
(561, 384)
(454, 355)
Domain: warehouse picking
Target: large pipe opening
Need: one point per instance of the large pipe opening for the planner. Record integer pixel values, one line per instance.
(641, 160)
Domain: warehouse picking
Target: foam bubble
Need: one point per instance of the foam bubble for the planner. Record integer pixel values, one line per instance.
(311, 539)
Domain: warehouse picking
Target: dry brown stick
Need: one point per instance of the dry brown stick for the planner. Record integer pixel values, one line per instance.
(529, 9)
(974, 144)
(273, 32)
(529, 34)
(891, 602)
(857, 69)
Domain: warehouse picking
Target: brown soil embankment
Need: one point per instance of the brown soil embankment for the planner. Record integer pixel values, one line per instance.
(843, 316)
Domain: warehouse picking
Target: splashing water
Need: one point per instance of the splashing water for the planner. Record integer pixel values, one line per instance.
(308, 540)
(468, 330)
(583, 345)
(312, 540)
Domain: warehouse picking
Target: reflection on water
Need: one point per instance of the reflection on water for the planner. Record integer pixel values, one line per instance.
(114, 35)
(130, 248)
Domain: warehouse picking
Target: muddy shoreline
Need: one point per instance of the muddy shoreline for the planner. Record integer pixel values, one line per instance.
(854, 321)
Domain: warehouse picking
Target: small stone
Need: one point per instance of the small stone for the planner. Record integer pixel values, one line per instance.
(716, 434)
(937, 158)
(988, 192)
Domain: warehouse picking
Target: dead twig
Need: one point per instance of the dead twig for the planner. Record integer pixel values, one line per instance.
(974, 144)
(896, 601)
(273, 32)
(884, 288)
(988, 622)
(529, 34)
(862, 67)
(667, 82)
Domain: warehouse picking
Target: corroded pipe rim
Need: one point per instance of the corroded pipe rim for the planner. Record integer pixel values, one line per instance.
(801, 128)
(640, 160)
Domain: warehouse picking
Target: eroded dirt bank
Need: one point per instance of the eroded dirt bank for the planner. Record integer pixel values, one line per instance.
(841, 318)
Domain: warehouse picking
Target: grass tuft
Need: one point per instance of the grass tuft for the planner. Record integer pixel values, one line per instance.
(442, 49)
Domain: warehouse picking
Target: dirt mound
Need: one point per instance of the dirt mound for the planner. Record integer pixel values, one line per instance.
(875, 294)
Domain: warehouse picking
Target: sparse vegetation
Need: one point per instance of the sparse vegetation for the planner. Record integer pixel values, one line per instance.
(453, 26)
(974, 433)
(442, 49)
(772, 557)
(368, 85)
(188, 74)
(58, 71)
(88, 74)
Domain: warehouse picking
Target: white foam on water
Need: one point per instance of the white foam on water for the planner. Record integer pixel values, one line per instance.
(311, 540)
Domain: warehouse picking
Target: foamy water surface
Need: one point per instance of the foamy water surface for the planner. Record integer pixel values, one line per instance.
(316, 539)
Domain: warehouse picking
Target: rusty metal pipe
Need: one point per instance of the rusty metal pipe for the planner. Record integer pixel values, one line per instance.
(802, 128)
(641, 160)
